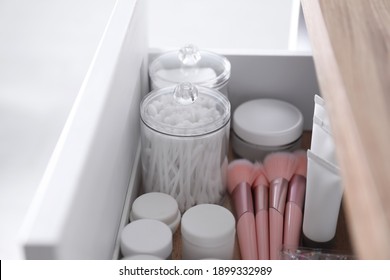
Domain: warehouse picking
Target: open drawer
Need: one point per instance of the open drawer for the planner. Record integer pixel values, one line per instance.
(93, 176)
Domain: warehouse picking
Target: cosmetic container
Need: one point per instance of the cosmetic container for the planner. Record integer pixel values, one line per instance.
(146, 237)
(184, 143)
(324, 193)
(189, 64)
(262, 126)
(208, 232)
(322, 142)
(157, 206)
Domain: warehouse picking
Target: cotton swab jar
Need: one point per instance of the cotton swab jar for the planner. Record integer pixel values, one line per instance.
(189, 64)
(184, 143)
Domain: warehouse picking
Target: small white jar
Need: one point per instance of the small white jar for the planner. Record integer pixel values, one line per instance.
(262, 126)
(208, 232)
(157, 206)
(146, 237)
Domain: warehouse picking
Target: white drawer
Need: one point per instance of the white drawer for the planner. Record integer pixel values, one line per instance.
(93, 175)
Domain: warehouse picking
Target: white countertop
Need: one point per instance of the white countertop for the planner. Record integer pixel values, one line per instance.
(45, 50)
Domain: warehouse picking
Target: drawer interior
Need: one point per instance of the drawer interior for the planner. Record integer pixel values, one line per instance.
(94, 174)
(341, 244)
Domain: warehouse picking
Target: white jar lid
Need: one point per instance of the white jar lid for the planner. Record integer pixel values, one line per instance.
(268, 122)
(146, 236)
(208, 225)
(158, 206)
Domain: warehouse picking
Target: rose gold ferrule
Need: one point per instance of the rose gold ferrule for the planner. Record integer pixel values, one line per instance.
(260, 194)
(278, 193)
(296, 190)
(242, 199)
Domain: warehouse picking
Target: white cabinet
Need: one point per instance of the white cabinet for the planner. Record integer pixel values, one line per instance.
(85, 194)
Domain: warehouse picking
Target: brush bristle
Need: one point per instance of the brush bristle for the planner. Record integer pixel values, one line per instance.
(239, 170)
(280, 165)
(301, 156)
(259, 176)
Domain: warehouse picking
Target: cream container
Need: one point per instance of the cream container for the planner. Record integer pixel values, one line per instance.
(189, 64)
(184, 143)
(263, 126)
(146, 237)
(208, 232)
(157, 206)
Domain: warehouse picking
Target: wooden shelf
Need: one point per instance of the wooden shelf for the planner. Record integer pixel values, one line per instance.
(351, 49)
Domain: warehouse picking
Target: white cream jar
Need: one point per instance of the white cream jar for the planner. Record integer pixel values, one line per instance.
(146, 237)
(262, 126)
(158, 206)
(208, 232)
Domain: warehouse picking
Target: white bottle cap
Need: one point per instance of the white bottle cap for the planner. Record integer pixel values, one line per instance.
(157, 206)
(146, 236)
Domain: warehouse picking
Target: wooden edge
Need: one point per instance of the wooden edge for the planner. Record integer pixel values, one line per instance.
(366, 209)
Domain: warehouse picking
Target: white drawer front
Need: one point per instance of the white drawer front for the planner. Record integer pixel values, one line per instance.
(78, 207)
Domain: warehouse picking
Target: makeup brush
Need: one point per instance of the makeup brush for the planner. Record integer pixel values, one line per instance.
(279, 167)
(239, 181)
(260, 193)
(295, 200)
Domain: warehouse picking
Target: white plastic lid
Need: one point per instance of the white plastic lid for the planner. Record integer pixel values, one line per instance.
(208, 225)
(146, 236)
(158, 206)
(268, 122)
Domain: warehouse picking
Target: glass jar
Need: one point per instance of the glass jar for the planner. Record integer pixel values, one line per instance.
(199, 67)
(184, 141)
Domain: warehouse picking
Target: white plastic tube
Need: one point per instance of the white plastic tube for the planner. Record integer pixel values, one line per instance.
(324, 193)
(322, 143)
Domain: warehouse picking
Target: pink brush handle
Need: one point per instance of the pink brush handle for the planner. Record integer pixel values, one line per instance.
(292, 225)
(262, 232)
(275, 233)
(246, 233)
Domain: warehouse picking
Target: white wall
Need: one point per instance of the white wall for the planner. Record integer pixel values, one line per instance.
(220, 24)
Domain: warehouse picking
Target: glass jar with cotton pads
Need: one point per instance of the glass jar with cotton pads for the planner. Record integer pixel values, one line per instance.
(189, 64)
(262, 126)
(184, 143)
(208, 232)
(158, 206)
(146, 237)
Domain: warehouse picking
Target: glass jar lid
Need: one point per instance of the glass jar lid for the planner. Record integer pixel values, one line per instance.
(185, 110)
(189, 64)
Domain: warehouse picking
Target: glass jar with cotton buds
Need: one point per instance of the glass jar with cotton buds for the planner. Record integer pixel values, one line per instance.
(184, 143)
